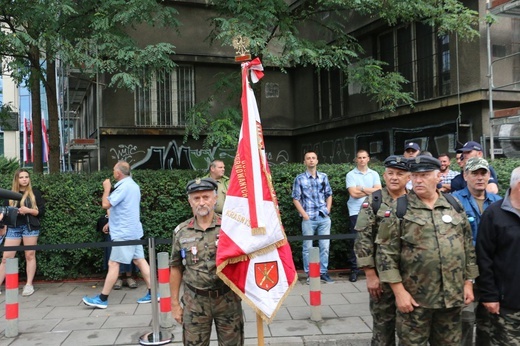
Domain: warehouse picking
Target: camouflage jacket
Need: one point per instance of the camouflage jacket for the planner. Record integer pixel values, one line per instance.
(367, 226)
(429, 251)
(199, 248)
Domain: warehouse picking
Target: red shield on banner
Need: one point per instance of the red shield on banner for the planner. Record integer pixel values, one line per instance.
(266, 275)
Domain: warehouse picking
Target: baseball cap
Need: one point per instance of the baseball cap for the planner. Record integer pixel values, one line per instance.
(476, 163)
(201, 184)
(423, 163)
(396, 161)
(412, 145)
(471, 145)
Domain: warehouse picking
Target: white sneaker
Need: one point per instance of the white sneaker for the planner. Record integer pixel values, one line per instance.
(28, 290)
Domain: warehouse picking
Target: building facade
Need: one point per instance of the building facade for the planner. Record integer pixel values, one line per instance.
(304, 108)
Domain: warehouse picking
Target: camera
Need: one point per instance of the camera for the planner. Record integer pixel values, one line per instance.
(10, 215)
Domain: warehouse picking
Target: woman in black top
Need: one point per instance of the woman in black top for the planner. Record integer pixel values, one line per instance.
(31, 209)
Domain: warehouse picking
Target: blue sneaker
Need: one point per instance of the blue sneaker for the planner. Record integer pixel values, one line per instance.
(95, 302)
(145, 300)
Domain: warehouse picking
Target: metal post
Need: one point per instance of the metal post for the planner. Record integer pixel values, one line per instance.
(11, 297)
(156, 337)
(490, 86)
(165, 316)
(314, 283)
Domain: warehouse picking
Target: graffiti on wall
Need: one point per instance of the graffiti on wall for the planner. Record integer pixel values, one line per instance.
(125, 152)
(174, 156)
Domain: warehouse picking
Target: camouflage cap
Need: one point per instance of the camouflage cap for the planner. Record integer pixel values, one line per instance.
(201, 184)
(423, 163)
(396, 161)
(476, 163)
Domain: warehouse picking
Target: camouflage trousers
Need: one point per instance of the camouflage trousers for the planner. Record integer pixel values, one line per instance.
(505, 328)
(436, 326)
(483, 326)
(200, 312)
(383, 316)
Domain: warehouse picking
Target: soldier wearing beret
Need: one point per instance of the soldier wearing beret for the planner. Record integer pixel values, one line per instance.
(382, 300)
(429, 261)
(206, 298)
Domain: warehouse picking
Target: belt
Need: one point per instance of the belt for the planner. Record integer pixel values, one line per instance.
(209, 293)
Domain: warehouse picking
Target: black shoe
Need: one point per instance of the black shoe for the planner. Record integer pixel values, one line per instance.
(353, 276)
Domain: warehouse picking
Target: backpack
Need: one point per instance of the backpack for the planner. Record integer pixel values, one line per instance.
(402, 203)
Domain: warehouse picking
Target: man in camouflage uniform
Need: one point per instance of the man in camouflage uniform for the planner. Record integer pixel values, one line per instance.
(206, 297)
(382, 301)
(429, 261)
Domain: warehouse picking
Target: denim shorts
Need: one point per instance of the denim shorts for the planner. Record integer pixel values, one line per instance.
(22, 231)
(125, 254)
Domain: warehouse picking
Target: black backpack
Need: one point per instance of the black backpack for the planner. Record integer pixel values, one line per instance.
(402, 203)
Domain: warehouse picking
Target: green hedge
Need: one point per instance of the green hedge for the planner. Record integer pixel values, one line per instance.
(74, 205)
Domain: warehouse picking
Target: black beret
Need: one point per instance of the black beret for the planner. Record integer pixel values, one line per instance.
(199, 184)
(396, 161)
(423, 163)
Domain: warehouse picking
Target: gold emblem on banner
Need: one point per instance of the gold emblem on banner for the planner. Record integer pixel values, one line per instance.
(241, 45)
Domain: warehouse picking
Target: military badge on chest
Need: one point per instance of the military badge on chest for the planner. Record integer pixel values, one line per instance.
(194, 252)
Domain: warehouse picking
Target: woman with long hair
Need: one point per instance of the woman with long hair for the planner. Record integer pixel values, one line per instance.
(31, 209)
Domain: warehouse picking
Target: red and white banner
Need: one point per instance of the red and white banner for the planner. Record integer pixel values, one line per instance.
(26, 152)
(253, 255)
(45, 142)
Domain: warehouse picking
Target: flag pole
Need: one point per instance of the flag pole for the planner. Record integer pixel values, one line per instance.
(260, 329)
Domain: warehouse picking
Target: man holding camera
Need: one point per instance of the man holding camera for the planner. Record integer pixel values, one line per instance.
(124, 224)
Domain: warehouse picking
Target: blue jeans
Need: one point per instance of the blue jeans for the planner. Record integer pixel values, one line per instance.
(321, 226)
(20, 232)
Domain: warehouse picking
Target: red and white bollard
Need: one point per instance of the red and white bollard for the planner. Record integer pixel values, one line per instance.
(315, 283)
(165, 304)
(11, 297)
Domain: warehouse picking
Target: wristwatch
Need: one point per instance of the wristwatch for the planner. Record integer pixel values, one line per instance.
(362, 189)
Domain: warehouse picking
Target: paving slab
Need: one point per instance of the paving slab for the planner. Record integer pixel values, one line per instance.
(348, 325)
(304, 312)
(41, 339)
(93, 337)
(80, 323)
(56, 315)
(294, 328)
(347, 310)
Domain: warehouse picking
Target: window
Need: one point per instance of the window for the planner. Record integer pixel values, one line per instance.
(332, 94)
(165, 98)
(420, 56)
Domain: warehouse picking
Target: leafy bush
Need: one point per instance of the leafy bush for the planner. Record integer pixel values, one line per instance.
(74, 205)
(8, 166)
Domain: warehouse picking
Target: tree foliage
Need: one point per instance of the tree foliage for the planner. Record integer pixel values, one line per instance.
(94, 35)
(279, 33)
(276, 31)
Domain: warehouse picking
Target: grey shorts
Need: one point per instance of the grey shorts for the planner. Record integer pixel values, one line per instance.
(125, 254)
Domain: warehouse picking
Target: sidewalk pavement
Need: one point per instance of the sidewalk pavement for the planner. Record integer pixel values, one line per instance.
(56, 315)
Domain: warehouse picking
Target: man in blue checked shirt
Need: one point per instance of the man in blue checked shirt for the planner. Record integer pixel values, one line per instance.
(312, 197)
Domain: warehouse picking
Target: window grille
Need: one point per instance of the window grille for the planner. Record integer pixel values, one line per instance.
(420, 56)
(332, 94)
(165, 97)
